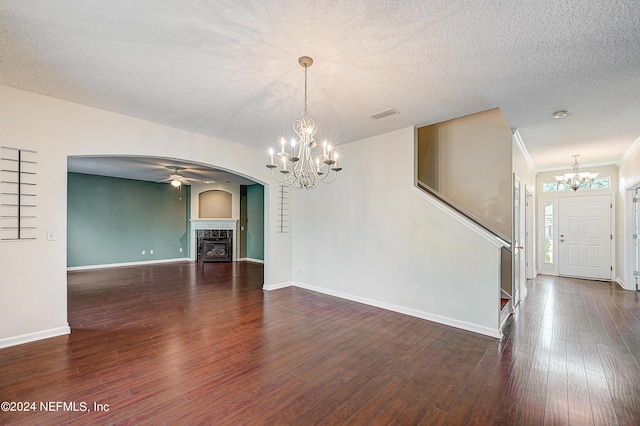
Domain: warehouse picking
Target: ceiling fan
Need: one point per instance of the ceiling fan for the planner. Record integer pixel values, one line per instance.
(176, 179)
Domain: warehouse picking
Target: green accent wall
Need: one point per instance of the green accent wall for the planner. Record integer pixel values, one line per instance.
(255, 222)
(112, 220)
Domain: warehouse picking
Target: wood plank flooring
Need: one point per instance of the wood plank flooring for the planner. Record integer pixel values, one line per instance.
(203, 344)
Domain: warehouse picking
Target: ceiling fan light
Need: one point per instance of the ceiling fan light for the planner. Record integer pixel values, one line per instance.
(176, 183)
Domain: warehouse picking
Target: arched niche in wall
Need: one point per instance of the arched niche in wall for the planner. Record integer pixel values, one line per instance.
(214, 204)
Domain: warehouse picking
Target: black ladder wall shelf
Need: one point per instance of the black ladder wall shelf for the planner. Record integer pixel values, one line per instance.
(16, 187)
(283, 210)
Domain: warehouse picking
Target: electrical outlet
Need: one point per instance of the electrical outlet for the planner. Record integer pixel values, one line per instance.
(150, 251)
(143, 252)
(417, 289)
(301, 270)
(180, 249)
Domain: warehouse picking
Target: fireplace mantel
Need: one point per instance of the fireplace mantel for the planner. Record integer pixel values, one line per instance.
(230, 224)
(214, 224)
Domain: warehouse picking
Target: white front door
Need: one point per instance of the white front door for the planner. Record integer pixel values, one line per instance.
(584, 229)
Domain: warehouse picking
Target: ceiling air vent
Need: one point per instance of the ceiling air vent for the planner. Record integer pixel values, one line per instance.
(385, 113)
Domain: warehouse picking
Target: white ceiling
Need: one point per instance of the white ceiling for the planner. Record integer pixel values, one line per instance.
(229, 68)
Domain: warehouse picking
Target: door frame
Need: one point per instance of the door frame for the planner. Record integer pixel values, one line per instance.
(563, 247)
(518, 275)
(554, 197)
(626, 279)
(530, 270)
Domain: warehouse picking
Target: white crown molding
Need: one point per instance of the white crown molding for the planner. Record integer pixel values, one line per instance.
(524, 151)
(633, 146)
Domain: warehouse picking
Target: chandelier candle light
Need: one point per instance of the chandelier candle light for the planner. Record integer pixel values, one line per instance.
(303, 166)
(575, 179)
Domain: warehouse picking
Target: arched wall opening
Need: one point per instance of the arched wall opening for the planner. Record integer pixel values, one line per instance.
(58, 130)
(135, 179)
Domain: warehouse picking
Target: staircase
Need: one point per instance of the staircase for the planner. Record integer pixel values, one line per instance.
(466, 165)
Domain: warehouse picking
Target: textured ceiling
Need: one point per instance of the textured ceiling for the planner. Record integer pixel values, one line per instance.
(152, 169)
(229, 68)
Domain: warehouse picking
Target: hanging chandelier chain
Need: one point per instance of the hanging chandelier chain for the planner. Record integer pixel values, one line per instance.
(305, 90)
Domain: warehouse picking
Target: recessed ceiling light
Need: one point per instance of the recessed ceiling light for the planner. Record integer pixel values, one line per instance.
(560, 114)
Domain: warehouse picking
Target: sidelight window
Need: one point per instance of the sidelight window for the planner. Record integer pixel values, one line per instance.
(548, 233)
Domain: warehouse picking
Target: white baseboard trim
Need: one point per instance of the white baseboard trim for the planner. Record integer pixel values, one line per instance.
(277, 286)
(32, 337)
(487, 331)
(117, 265)
(620, 283)
(250, 259)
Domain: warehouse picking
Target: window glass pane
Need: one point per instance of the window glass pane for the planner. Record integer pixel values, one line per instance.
(601, 183)
(548, 233)
(564, 188)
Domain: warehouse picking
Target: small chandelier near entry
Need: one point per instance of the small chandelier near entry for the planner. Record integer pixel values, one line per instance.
(301, 167)
(576, 178)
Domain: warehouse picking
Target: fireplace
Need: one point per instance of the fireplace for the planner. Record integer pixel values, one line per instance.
(215, 245)
(213, 240)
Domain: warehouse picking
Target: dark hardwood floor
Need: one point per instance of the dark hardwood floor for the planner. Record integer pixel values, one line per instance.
(203, 344)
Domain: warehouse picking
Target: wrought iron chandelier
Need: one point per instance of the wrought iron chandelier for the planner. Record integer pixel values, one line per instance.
(299, 163)
(576, 178)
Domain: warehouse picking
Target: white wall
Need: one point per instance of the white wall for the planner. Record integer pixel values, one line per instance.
(370, 237)
(628, 179)
(33, 273)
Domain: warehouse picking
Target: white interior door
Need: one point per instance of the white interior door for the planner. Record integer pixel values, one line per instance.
(636, 234)
(517, 243)
(528, 233)
(584, 229)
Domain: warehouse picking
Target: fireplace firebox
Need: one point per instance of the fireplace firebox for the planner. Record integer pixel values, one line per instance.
(215, 245)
